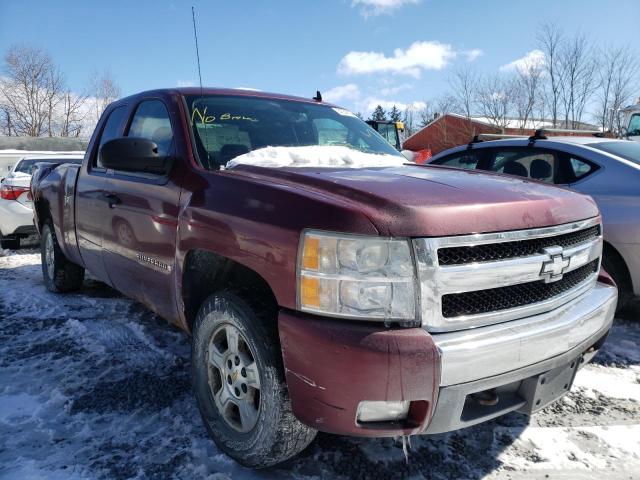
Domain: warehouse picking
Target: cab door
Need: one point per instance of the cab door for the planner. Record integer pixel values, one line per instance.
(140, 226)
(90, 201)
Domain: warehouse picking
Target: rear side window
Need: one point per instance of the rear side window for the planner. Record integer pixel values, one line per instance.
(151, 121)
(528, 163)
(111, 130)
(580, 168)
(467, 160)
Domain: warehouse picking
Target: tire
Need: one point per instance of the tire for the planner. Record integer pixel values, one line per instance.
(10, 243)
(618, 271)
(60, 275)
(267, 433)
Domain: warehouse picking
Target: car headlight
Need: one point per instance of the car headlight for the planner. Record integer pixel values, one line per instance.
(356, 277)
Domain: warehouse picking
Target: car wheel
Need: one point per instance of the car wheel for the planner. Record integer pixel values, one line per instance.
(239, 384)
(10, 243)
(60, 275)
(618, 271)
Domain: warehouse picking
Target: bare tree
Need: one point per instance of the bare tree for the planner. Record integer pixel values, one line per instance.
(105, 89)
(526, 92)
(26, 89)
(54, 86)
(439, 106)
(495, 99)
(549, 41)
(73, 114)
(409, 120)
(579, 80)
(617, 74)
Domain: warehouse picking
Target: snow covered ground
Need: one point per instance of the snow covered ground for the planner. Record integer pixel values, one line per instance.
(93, 385)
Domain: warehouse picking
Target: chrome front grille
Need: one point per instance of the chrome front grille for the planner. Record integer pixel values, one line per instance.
(474, 280)
(504, 298)
(502, 251)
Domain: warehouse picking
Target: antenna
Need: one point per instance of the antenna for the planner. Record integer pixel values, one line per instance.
(195, 34)
(206, 130)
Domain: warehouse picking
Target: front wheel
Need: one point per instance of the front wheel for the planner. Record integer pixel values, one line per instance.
(60, 275)
(239, 385)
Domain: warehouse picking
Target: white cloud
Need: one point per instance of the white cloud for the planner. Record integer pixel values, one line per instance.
(380, 7)
(418, 57)
(533, 59)
(341, 93)
(185, 83)
(473, 54)
(391, 89)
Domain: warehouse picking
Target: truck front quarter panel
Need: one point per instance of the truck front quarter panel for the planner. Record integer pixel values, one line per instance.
(257, 224)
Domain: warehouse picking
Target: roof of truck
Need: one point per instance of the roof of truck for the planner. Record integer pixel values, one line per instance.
(243, 92)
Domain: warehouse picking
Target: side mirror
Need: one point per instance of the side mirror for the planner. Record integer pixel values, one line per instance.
(132, 154)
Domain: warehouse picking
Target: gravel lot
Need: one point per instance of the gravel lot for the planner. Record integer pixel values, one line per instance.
(93, 385)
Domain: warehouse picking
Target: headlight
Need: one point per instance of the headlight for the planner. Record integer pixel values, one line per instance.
(356, 277)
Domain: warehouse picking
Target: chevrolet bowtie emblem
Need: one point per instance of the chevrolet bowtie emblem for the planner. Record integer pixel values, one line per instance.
(554, 268)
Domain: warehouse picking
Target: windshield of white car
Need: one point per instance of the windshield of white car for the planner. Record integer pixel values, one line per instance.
(225, 127)
(625, 149)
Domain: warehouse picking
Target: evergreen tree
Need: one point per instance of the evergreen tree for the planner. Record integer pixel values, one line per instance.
(359, 115)
(394, 114)
(379, 115)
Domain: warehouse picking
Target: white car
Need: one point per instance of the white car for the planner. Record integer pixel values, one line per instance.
(16, 213)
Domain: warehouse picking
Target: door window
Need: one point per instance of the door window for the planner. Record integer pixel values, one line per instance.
(529, 163)
(111, 130)
(151, 121)
(467, 160)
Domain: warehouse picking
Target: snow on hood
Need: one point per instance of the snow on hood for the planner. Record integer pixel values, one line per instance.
(315, 156)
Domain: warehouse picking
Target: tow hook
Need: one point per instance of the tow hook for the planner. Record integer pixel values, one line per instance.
(487, 398)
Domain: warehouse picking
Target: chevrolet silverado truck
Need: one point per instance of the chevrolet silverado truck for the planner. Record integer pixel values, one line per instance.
(327, 284)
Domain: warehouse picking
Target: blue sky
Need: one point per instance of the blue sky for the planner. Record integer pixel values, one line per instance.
(344, 48)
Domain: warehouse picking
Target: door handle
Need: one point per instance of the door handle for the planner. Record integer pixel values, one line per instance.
(112, 199)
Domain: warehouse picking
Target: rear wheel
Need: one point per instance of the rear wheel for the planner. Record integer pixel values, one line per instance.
(60, 275)
(10, 243)
(239, 385)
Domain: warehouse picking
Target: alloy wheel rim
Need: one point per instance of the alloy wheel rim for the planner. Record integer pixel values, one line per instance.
(233, 378)
(49, 255)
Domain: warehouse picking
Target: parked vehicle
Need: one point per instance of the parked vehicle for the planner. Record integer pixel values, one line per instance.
(605, 168)
(327, 285)
(16, 214)
(390, 131)
(630, 119)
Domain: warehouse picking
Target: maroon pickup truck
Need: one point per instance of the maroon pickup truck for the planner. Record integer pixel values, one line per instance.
(327, 284)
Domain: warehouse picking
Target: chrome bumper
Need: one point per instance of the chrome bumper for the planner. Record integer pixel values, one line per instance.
(511, 354)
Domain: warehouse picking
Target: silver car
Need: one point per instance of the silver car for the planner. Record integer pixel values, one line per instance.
(607, 169)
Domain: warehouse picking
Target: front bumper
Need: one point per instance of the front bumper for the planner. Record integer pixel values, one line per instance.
(331, 366)
(15, 218)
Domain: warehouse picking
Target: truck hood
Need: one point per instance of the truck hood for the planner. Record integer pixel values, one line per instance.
(436, 201)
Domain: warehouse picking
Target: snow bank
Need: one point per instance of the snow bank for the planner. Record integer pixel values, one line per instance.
(315, 156)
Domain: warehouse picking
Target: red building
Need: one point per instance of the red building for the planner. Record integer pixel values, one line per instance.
(450, 130)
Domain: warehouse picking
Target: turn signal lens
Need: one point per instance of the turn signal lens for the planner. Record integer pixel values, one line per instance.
(310, 292)
(310, 258)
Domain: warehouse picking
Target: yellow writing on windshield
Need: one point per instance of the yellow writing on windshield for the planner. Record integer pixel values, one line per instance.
(202, 117)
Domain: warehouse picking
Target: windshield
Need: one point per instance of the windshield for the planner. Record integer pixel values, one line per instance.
(388, 131)
(26, 166)
(626, 149)
(227, 127)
